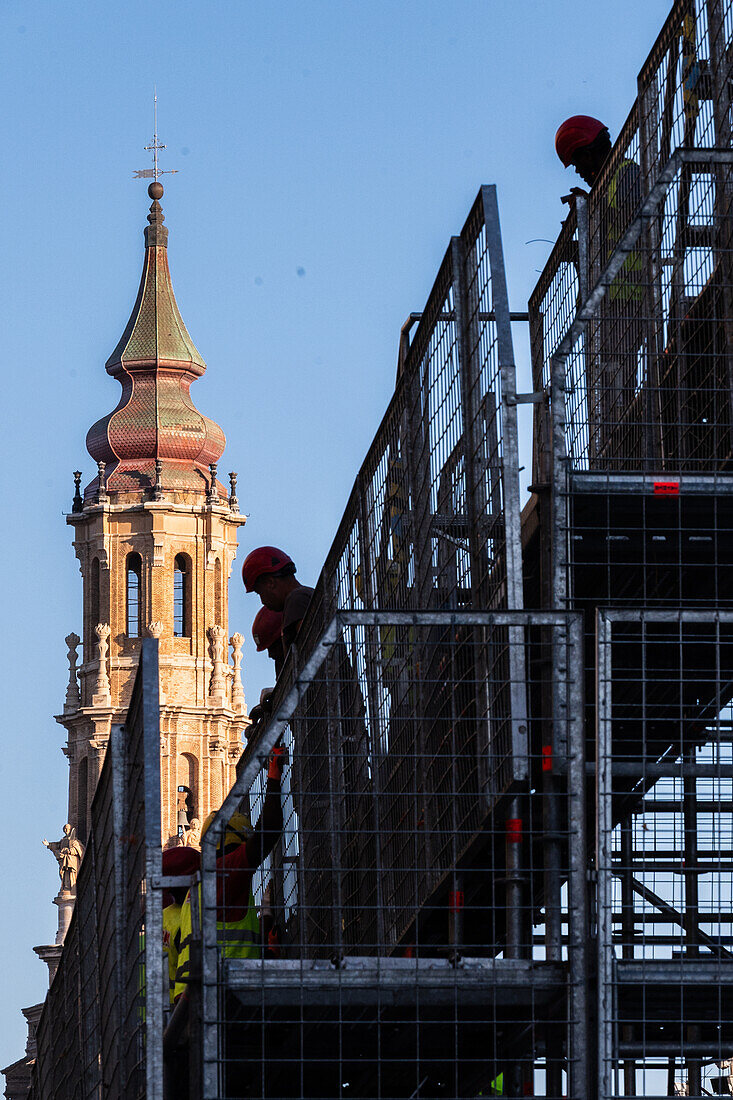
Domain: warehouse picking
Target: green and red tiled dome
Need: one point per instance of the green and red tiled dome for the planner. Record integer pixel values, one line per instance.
(155, 362)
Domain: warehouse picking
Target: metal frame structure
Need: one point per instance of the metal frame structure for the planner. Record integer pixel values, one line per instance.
(372, 978)
(631, 345)
(664, 810)
(571, 473)
(425, 558)
(629, 331)
(100, 1033)
(441, 909)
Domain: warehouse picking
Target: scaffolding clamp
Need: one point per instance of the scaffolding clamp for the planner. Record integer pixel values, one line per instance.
(537, 398)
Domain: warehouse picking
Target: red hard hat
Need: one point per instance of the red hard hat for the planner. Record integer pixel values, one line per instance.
(181, 861)
(574, 133)
(267, 628)
(265, 559)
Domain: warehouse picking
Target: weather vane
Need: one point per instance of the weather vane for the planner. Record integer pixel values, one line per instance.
(154, 148)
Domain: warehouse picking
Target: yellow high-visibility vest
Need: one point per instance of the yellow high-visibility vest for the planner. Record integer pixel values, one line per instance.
(172, 943)
(628, 284)
(235, 939)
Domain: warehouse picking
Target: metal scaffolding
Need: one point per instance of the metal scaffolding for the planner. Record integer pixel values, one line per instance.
(434, 932)
(506, 863)
(629, 524)
(413, 856)
(665, 849)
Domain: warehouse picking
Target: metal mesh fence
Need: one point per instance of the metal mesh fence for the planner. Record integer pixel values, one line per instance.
(634, 302)
(665, 851)
(100, 1033)
(432, 936)
(408, 739)
(657, 350)
(630, 327)
(433, 519)
(362, 783)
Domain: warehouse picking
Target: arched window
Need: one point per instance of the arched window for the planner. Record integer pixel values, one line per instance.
(134, 567)
(82, 793)
(94, 592)
(182, 596)
(217, 592)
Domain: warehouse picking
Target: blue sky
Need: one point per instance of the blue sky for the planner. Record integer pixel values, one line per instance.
(326, 153)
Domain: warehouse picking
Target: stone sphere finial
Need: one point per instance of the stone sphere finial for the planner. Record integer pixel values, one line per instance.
(156, 190)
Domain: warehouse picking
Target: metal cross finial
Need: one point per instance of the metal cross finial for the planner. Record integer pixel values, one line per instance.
(154, 148)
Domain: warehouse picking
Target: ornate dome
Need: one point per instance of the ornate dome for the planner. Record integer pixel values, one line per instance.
(155, 362)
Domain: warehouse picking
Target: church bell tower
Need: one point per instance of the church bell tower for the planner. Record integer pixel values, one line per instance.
(155, 533)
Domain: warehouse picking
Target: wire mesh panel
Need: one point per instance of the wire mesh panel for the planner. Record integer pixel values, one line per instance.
(59, 1070)
(684, 93)
(142, 921)
(646, 359)
(658, 347)
(646, 370)
(433, 519)
(665, 851)
(658, 366)
(78, 1033)
(100, 1032)
(552, 310)
(433, 937)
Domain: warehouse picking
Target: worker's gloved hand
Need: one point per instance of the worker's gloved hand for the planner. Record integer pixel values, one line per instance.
(570, 198)
(278, 760)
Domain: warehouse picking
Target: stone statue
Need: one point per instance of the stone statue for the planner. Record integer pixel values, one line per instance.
(69, 852)
(192, 836)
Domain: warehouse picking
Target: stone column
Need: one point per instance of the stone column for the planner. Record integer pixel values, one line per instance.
(65, 903)
(217, 686)
(237, 641)
(73, 698)
(102, 696)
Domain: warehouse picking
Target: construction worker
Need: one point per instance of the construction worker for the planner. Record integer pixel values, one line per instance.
(176, 861)
(585, 143)
(240, 853)
(271, 574)
(179, 861)
(267, 633)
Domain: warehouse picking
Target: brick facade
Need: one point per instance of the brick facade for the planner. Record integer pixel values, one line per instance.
(201, 736)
